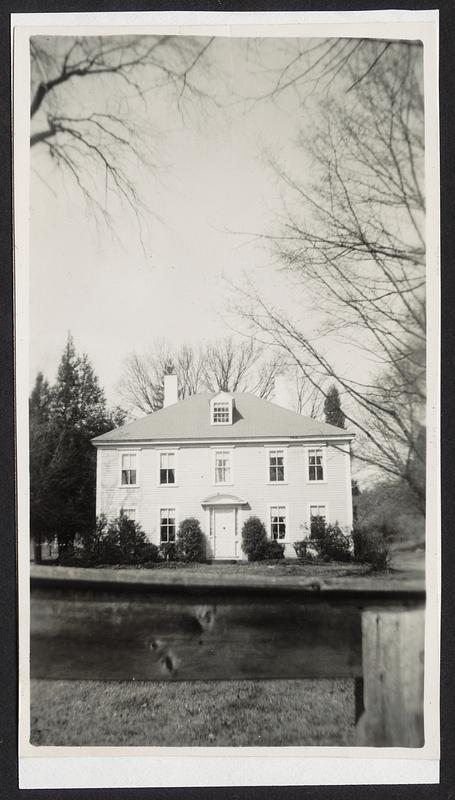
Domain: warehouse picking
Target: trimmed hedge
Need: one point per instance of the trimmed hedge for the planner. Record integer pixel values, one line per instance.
(254, 539)
(190, 541)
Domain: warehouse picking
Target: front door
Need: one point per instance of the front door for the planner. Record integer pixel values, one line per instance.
(224, 533)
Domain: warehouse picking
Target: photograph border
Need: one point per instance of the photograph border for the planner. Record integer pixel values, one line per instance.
(293, 771)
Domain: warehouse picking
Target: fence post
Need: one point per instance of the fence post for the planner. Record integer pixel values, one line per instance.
(393, 666)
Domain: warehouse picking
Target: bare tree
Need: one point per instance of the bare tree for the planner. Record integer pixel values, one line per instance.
(297, 68)
(353, 240)
(95, 131)
(142, 385)
(305, 397)
(223, 365)
(234, 366)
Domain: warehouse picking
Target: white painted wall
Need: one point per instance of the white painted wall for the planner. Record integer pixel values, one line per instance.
(195, 481)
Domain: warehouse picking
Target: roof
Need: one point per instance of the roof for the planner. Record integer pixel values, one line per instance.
(189, 420)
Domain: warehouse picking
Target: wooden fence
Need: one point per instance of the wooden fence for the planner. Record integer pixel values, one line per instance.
(125, 625)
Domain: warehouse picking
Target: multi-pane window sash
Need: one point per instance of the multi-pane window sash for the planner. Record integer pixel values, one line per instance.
(278, 522)
(129, 512)
(318, 511)
(167, 525)
(222, 466)
(167, 467)
(128, 468)
(315, 465)
(221, 412)
(276, 465)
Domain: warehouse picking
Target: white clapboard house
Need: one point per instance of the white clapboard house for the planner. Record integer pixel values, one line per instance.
(222, 458)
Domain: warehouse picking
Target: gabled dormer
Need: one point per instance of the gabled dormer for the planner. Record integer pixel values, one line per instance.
(221, 409)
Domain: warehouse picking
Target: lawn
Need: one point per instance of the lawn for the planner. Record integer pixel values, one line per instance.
(221, 713)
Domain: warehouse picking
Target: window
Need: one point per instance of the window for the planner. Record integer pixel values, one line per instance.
(222, 466)
(129, 469)
(167, 525)
(315, 465)
(278, 522)
(167, 468)
(129, 512)
(221, 411)
(318, 511)
(276, 466)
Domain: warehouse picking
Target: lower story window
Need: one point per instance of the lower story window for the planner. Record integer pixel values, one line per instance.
(318, 519)
(278, 522)
(129, 512)
(167, 525)
(318, 511)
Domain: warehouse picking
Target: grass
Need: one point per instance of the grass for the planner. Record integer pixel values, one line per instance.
(221, 713)
(285, 566)
(409, 565)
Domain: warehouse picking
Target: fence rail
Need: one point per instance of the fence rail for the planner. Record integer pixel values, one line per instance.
(125, 625)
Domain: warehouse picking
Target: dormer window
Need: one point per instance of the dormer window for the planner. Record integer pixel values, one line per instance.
(221, 410)
(221, 413)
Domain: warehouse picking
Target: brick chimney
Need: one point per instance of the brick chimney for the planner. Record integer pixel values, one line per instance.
(170, 390)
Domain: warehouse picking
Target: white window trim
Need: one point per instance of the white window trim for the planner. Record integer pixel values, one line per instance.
(160, 509)
(287, 538)
(268, 450)
(322, 447)
(128, 485)
(318, 503)
(174, 451)
(227, 401)
(132, 508)
(218, 450)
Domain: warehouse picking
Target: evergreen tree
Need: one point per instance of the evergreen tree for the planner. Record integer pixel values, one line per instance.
(40, 459)
(332, 408)
(63, 420)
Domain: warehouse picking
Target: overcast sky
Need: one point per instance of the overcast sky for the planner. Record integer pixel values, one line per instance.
(210, 189)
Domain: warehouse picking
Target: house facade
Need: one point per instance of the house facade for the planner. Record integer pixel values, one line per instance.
(221, 459)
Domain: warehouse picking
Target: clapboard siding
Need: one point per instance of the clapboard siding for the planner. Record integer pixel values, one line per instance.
(195, 481)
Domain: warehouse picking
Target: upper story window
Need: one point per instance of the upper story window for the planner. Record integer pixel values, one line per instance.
(167, 468)
(129, 469)
(276, 466)
(221, 409)
(223, 466)
(316, 464)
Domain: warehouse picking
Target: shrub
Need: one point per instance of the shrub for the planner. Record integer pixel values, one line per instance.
(254, 539)
(119, 541)
(307, 549)
(190, 541)
(129, 539)
(370, 546)
(330, 540)
(274, 550)
(168, 551)
(318, 527)
(335, 545)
